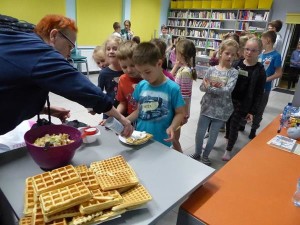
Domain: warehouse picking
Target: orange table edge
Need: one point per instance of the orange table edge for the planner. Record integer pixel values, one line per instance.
(255, 187)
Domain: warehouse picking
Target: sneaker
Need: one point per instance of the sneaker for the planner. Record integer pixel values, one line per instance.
(242, 128)
(226, 156)
(206, 161)
(195, 156)
(252, 134)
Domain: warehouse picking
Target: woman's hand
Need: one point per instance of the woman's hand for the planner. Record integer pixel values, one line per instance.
(59, 112)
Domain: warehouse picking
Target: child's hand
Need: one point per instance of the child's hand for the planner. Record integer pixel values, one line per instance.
(217, 84)
(170, 132)
(206, 82)
(102, 123)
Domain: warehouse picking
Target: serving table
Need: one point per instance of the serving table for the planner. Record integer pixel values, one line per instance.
(255, 187)
(169, 176)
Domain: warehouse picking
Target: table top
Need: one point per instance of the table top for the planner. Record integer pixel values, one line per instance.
(169, 176)
(255, 187)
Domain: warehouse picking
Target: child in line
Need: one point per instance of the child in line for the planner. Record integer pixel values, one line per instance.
(117, 29)
(247, 92)
(99, 57)
(276, 25)
(165, 37)
(109, 76)
(271, 60)
(186, 73)
(162, 47)
(128, 80)
(216, 104)
(160, 103)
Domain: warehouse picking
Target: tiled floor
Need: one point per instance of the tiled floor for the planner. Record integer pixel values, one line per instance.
(276, 103)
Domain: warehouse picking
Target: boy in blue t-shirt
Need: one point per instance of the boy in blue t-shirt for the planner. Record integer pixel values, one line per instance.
(271, 60)
(160, 103)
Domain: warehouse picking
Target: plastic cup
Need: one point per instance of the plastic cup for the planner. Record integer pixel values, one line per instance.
(114, 125)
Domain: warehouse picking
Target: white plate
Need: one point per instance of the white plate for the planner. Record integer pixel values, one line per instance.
(123, 140)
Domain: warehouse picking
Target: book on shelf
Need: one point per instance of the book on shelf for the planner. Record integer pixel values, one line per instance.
(284, 143)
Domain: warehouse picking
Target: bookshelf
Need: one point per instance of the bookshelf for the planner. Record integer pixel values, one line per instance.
(206, 27)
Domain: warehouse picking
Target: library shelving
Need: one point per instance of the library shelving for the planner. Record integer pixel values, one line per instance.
(206, 27)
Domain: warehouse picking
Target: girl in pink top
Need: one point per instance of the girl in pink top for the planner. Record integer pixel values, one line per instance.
(186, 73)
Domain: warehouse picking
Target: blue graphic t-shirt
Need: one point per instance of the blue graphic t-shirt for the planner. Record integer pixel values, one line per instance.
(271, 61)
(157, 106)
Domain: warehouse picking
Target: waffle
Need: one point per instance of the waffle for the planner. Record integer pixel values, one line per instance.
(38, 219)
(63, 198)
(29, 197)
(81, 168)
(25, 220)
(114, 173)
(67, 213)
(89, 179)
(134, 141)
(55, 179)
(96, 218)
(113, 164)
(136, 196)
(100, 201)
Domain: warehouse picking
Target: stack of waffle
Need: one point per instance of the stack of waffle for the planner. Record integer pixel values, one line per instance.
(81, 195)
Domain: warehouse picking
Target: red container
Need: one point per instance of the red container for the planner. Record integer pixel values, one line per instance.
(52, 157)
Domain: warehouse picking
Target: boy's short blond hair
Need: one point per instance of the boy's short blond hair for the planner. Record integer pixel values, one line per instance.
(98, 53)
(125, 50)
(146, 53)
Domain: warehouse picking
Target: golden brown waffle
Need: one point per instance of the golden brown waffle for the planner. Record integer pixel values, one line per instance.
(96, 218)
(63, 198)
(115, 180)
(55, 179)
(136, 196)
(112, 164)
(89, 179)
(29, 197)
(81, 168)
(114, 173)
(67, 213)
(38, 219)
(101, 200)
(25, 220)
(140, 141)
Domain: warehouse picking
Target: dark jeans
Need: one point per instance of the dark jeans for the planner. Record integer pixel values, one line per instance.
(232, 127)
(259, 115)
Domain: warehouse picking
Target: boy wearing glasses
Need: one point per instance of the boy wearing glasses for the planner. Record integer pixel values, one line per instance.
(271, 61)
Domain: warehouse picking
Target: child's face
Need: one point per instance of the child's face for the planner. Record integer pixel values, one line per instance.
(228, 55)
(129, 68)
(151, 73)
(265, 41)
(164, 31)
(111, 48)
(101, 62)
(251, 51)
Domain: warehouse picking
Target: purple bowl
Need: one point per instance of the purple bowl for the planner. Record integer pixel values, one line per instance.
(52, 157)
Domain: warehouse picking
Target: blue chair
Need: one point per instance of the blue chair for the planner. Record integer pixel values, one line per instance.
(78, 59)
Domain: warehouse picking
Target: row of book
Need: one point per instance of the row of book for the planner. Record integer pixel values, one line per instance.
(198, 33)
(176, 31)
(179, 14)
(223, 15)
(176, 23)
(213, 34)
(200, 15)
(198, 23)
(250, 15)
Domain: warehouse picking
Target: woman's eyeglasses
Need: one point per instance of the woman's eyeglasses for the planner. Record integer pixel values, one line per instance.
(68, 39)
